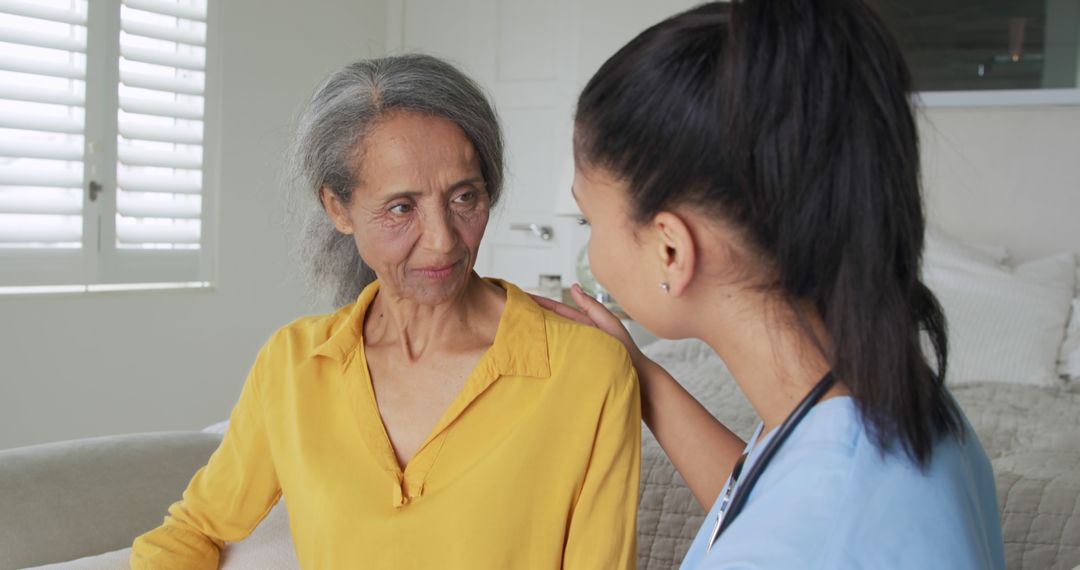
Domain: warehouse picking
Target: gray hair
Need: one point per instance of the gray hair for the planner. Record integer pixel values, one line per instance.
(330, 135)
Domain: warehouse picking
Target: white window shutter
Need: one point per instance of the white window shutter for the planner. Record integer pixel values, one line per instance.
(102, 109)
(42, 123)
(160, 124)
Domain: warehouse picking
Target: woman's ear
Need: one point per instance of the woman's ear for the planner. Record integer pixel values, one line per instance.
(677, 252)
(337, 211)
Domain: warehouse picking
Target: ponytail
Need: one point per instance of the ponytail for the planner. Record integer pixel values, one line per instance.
(791, 120)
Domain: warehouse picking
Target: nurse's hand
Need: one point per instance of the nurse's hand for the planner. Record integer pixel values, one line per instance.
(593, 313)
(702, 449)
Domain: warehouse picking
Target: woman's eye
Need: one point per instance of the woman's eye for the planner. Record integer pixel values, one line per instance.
(465, 197)
(401, 208)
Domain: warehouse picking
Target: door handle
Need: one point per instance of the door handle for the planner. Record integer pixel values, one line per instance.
(94, 189)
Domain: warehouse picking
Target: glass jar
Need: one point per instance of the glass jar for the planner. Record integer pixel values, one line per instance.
(588, 281)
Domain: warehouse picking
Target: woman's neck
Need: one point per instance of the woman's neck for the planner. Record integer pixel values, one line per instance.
(768, 352)
(467, 319)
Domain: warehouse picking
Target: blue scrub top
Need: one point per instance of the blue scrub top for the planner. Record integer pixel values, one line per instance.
(830, 499)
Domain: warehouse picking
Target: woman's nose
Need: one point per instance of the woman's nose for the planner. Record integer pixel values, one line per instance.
(439, 234)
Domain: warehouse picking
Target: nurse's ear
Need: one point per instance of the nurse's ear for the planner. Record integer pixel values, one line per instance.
(338, 212)
(676, 249)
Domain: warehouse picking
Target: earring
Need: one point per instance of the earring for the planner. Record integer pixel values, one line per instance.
(665, 287)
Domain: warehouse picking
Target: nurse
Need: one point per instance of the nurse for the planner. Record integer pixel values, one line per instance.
(751, 175)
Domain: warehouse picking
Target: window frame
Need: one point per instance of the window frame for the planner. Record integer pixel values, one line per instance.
(999, 98)
(99, 265)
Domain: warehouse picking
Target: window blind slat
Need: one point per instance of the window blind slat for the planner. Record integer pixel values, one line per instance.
(140, 206)
(159, 158)
(172, 109)
(10, 120)
(140, 231)
(40, 149)
(165, 33)
(52, 41)
(21, 229)
(168, 9)
(162, 83)
(161, 134)
(38, 95)
(38, 67)
(149, 183)
(19, 176)
(39, 202)
(32, 10)
(165, 58)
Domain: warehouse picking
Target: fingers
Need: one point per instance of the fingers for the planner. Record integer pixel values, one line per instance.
(544, 302)
(563, 310)
(594, 309)
(605, 320)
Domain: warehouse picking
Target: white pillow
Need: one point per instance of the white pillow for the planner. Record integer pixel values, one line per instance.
(1005, 325)
(945, 247)
(219, 428)
(269, 547)
(115, 560)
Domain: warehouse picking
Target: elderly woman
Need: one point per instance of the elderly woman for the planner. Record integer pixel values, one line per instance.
(439, 420)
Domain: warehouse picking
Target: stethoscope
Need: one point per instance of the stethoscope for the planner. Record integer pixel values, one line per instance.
(732, 502)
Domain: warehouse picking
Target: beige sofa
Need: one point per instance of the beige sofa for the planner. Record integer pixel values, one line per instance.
(78, 505)
(62, 501)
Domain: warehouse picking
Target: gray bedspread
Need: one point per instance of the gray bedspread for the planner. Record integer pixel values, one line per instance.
(1031, 434)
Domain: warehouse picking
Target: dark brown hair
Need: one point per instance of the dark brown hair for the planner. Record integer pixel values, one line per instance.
(791, 119)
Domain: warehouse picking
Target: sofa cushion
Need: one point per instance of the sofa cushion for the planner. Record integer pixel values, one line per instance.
(269, 547)
(66, 500)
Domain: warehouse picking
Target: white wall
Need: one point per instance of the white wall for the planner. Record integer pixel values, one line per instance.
(82, 365)
(1003, 175)
(91, 364)
(1006, 175)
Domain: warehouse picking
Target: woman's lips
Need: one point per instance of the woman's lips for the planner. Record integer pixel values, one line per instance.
(437, 272)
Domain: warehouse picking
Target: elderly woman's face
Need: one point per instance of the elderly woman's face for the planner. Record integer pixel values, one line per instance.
(420, 209)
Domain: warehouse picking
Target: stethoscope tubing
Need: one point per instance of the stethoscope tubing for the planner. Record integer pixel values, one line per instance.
(742, 493)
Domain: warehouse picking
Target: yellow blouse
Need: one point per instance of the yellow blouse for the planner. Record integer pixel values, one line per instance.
(535, 464)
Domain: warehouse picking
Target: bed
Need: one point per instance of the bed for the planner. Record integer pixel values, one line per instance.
(1031, 433)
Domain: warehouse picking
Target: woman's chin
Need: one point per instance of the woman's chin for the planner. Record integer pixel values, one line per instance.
(439, 287)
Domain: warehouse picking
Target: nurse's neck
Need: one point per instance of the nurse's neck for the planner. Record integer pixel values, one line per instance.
(766, 349)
